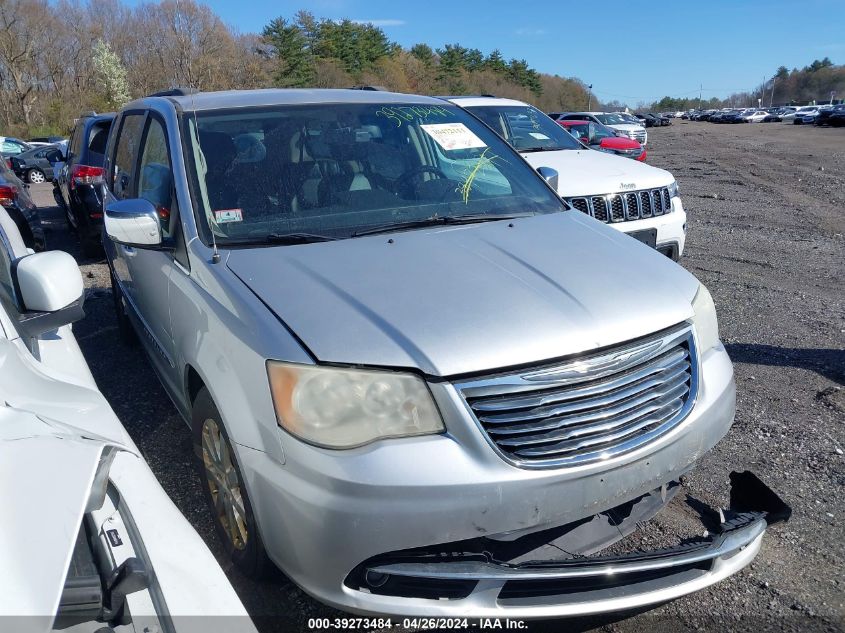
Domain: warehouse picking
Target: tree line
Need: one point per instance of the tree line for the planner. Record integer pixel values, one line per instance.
(813, 83)
(58, 59)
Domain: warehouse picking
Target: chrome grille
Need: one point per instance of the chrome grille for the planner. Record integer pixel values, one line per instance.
(657, 202)
(645, 200)
(633, 206)
(621, 207)
(589, 408)
(617, 209)
(599, 208)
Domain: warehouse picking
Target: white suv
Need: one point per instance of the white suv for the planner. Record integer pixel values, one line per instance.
(633, 197)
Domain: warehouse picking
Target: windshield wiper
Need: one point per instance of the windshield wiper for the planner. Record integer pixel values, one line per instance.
(283, 238)
(437, 220)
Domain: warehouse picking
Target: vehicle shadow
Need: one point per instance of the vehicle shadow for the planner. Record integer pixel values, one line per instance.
(830, 363)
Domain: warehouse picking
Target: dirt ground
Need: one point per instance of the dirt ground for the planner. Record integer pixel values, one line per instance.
(766, 206)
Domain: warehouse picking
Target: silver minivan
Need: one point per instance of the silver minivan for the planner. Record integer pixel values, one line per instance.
(417, 382)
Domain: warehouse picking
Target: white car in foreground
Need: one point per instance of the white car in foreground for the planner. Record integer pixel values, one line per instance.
(633, 197)
(89, 539)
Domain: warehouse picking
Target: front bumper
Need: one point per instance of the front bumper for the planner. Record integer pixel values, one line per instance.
(671, 229)
(589, 585)
(324, 513)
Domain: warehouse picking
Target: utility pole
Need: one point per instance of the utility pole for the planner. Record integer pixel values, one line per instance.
(700, 88)
(589, 96)
(772, 98)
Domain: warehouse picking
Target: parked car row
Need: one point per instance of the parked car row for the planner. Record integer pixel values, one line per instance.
(833, 115)
(372, 309)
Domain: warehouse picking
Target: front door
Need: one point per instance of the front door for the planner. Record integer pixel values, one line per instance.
(142, 169)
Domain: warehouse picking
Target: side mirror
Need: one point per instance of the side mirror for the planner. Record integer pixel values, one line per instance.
(51, 292)
(133, 222)
(549, 175)
(54, 156)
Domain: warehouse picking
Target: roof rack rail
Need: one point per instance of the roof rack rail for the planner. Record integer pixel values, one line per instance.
(174, 92)
(374, 88)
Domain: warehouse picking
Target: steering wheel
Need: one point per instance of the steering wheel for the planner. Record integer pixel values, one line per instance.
(403, 180)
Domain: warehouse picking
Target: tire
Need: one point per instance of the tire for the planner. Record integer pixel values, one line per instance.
(227, 496)
(124, 326)
(35, 176)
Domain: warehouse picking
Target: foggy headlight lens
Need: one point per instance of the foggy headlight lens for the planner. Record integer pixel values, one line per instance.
(344, 408)
(673, 189)
(706, 324)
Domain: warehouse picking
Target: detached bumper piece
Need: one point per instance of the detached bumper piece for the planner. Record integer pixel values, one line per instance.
(584, 585)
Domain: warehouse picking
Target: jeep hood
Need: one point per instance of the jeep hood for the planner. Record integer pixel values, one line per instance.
(472, 298)
(590, 172)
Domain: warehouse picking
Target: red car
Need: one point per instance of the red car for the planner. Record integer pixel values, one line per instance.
(604, 139)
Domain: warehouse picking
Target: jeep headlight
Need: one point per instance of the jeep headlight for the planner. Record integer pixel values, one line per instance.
(673, 189)
(344, 408)
(706, 324)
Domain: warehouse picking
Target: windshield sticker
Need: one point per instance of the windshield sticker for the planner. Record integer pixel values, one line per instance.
(403, 114)
(539, 136)
(452, 136)
(223, 216)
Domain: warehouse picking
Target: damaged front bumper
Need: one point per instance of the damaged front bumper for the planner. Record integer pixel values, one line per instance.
(476, 582)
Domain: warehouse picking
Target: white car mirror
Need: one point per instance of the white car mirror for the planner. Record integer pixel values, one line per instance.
(51, 292)
(49, 281)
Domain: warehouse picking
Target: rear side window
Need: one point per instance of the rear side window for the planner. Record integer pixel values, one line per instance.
(76, 139)
(98, 137)
(126, 156)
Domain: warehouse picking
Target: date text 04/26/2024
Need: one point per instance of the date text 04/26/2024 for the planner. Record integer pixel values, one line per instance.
(481, 624)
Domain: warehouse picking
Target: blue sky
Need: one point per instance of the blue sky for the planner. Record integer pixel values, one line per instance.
(630, 51)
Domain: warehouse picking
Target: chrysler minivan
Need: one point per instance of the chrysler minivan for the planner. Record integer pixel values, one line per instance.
(417, 381)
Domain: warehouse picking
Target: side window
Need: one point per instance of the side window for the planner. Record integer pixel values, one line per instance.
(41, 154)
(155, 179)
(126, 156)
(76, 140)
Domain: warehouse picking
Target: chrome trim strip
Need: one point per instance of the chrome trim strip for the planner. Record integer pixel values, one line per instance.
(720, 546)
(674, 360)
(573, 372)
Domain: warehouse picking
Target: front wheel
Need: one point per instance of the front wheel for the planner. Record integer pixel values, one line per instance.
(224, 490)
(35, 176)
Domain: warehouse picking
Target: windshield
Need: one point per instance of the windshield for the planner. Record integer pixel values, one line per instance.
(525, 128)
(611, 118)
(331, 171)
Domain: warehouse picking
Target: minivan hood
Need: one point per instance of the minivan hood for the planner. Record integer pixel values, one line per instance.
(588, 172)
(472, 298)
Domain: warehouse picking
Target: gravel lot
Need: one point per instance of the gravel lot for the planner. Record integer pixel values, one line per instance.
(767, 217)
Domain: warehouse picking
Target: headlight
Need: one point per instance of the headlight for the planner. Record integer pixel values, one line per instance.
(673, 189)
(344, 408)
(706, 324)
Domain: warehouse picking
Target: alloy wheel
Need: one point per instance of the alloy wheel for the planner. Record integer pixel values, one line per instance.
(36, 176)
(224, 484)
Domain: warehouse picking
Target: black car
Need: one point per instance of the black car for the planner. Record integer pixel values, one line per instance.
(834, 116)
(79, 182)
(33, 165)
(648, 120)
(14, 197)
(46, 139)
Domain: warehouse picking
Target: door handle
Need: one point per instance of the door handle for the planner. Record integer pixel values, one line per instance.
(128, 250)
